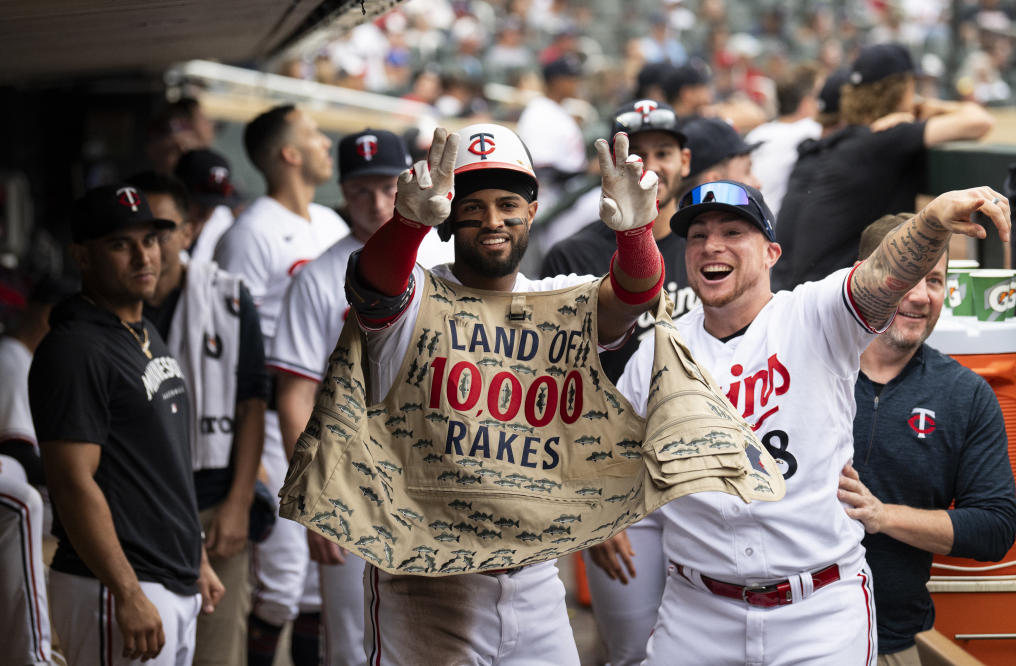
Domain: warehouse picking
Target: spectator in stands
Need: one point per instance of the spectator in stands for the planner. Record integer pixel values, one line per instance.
(772, 161)
(717, 153)
(509, 54)
(688, 89)
(847, 180)
(551, 133)
(827, 112)
(660, 45)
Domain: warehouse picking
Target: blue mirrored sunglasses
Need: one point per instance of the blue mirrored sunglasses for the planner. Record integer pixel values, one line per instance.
(725, 193)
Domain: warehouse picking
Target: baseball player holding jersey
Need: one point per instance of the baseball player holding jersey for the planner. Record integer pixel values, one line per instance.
(782, 582)
(507, 616)
(269, 242)
(312, 316)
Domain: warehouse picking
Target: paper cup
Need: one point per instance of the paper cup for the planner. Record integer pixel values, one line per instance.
(992, 291)
(959, 296)
(1012, 297)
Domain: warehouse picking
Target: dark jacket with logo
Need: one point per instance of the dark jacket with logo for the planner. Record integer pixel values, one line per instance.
(934, 434)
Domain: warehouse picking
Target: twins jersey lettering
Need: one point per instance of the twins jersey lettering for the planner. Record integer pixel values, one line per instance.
(268, 243)
(791, 376)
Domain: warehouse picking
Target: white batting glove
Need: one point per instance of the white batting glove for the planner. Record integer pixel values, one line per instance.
(425, 192)
(628, 197)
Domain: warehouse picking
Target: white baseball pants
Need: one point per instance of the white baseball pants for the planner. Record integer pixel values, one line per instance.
(517, 619)
(84, 619)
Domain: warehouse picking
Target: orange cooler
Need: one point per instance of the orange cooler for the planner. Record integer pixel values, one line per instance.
(975, 602)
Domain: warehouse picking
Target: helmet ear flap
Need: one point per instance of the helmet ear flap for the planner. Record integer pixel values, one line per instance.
(444, 230)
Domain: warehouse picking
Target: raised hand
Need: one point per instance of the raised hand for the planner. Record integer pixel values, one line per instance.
(628, 198)
(425, 192)
(960, 210)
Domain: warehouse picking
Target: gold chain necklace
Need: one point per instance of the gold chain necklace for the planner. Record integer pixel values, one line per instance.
(144, 343)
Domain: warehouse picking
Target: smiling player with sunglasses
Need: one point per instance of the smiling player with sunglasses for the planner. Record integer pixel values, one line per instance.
(782, 581)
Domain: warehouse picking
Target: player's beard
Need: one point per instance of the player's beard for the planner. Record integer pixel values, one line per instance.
(670, 193)
(904, 343)
(488, 266)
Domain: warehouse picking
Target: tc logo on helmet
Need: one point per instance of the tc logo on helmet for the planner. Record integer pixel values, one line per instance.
(366, 146)
(645, 107)
(128, 196)
(922, 422)
(482, 144)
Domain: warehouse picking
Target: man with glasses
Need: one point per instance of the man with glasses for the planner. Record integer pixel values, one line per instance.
(783, 579)
(626, 609)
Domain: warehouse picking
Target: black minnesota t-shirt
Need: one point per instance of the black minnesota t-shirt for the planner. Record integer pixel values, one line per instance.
(90, 382)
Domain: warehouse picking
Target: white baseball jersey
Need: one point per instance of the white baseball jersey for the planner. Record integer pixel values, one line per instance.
(268, 244)
(217, 224)
(552, 136)
(791, 375)
(315, 306)
(15, 413)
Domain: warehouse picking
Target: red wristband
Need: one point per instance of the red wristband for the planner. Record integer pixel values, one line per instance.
(636, 297)
(637, 252)
(388, 257)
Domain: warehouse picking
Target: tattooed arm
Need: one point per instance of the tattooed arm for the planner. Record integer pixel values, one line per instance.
(910, 251)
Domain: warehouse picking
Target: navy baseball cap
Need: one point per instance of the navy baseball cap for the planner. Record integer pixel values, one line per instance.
(647, 115)
(829, 95)
(207, 176)
(711, 141)
(105, 210)
(567, 65)
(878, 61)
(372, 153)
(692, 74)
(729, 195)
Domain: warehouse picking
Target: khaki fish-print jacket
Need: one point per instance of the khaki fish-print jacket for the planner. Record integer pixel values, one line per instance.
(502, 444)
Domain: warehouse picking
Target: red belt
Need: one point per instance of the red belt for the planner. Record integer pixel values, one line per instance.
(766, 596)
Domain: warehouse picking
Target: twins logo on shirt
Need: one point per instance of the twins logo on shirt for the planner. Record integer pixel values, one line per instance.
(922, 422)
(752, 395)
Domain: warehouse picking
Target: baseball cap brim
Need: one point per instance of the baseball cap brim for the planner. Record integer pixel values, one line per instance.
(212, 199)
(380, 170)
(682, 219)
(159, 223)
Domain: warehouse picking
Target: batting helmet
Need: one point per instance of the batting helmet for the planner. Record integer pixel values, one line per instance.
(491, 157)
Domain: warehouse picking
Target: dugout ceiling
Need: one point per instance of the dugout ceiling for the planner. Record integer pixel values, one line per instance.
(45, 39)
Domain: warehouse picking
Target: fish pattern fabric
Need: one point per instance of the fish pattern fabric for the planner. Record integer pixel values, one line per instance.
(501, 443)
